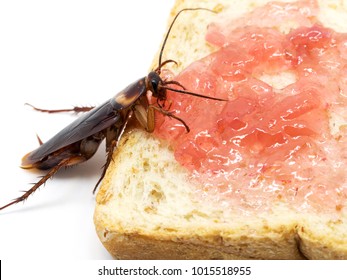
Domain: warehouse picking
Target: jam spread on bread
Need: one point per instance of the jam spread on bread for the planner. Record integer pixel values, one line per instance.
(277, 138)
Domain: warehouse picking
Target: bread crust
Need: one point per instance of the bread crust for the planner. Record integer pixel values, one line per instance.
(137, 246)
(290, 237)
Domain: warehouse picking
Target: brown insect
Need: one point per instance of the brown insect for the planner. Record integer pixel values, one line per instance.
(80, 140)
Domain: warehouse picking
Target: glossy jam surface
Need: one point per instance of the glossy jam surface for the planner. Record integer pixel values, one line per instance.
(266, 144)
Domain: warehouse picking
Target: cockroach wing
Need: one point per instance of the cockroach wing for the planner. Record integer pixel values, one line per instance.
(90, 123)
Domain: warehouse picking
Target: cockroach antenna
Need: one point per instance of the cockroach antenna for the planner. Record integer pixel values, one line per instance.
(168, 33)
(160, 63)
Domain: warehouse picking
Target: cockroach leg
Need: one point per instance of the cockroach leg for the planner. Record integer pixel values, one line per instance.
(113, 134)
(109, 158)
(169, 114)
(75, 109)
(175, 83)
(42, 181)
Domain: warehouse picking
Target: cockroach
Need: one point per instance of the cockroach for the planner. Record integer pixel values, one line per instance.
(80, 140)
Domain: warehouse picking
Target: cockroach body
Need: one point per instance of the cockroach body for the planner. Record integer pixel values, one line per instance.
(80, 140)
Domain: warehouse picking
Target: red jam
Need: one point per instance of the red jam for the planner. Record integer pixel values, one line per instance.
(265, 144)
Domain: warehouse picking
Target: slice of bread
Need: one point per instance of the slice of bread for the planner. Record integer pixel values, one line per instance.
(148, 208)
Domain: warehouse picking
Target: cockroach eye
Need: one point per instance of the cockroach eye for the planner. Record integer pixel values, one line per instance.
(155, 84)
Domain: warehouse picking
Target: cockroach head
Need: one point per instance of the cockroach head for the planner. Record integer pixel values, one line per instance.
(157, 85)
(154, 84)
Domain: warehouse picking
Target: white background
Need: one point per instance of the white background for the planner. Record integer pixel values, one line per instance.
(57, 54)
